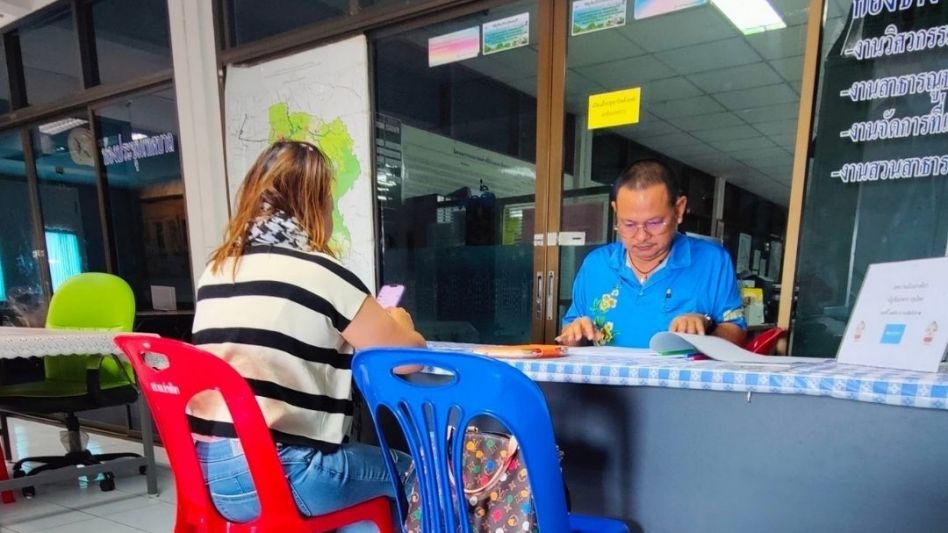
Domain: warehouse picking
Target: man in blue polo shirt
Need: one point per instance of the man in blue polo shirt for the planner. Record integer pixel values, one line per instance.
(654, 279)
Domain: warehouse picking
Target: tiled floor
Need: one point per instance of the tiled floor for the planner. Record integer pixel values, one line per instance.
(71, 507)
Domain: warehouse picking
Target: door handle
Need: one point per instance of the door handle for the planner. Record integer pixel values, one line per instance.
(550, 286)
(539, 299)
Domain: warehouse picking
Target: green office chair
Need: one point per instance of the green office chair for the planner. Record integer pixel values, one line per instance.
(89, 301)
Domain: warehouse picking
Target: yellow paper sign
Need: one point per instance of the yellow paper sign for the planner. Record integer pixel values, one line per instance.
(618, 108)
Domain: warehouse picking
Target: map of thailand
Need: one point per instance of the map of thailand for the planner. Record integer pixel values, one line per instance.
(319, 96)
(333, 139)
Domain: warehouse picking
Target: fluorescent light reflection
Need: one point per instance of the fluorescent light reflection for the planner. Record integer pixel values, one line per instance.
(59, 126)
(751, 16)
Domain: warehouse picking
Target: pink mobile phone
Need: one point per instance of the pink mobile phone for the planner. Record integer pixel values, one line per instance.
(390, 295)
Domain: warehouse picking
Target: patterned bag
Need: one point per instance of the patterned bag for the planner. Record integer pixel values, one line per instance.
(495, 485)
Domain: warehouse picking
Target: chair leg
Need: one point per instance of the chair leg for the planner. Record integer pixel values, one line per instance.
(5, 496)
(74, 432)
(51, 462)
(102, 457)
(5, 436)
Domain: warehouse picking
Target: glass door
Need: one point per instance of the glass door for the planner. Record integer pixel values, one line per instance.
(64, 154)
(712, 94)
(456, 157)
(138, 139)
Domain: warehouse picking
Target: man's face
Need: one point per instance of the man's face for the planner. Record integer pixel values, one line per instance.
(647, 221)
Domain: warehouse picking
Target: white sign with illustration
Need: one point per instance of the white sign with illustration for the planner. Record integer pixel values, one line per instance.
(321, 96)
(505, 34)
(900, 319)
(597, 15)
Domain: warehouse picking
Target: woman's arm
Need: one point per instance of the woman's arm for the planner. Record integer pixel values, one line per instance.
(373, 326)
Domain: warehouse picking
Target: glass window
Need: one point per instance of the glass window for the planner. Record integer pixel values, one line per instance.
(22, 299)
(4, 81)
(717, 99)
(876, 191)
(131, 38)
(251, 20)
(64, 152)
(372, 3)
(138, 140)
(455, 159)
(65, 259)
(50, 58)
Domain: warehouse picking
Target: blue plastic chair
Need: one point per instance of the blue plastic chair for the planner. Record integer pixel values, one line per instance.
(477, 386)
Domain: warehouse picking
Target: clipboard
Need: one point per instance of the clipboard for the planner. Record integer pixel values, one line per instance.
(523, 351)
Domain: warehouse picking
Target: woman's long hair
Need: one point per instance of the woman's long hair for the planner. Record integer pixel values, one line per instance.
(294, 177)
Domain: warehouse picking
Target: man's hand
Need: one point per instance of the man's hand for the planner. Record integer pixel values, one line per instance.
(690, 323)
(579, 329)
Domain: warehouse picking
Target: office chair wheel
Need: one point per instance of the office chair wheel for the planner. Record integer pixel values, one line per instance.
(107, 483)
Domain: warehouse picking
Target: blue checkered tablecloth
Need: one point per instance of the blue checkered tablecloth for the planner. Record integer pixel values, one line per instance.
(821, 378)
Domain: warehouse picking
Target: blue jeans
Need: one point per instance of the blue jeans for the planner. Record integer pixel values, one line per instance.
(320, 482)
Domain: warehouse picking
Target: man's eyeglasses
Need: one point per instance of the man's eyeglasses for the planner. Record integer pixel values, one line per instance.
(651, 227)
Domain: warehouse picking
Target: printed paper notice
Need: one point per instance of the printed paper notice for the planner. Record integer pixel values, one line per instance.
(455, 46)
(651, 8)
(744, 243)
(505, 34)
(618, 108)
(900, 319)
(594, 15)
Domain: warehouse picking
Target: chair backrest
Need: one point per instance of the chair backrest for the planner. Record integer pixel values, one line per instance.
(764, 342)
(90, 301)
(425, 412)
(170, 373)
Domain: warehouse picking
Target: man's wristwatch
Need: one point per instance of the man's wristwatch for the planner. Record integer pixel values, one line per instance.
(709, 324)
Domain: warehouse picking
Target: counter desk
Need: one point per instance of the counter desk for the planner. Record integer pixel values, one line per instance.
(674, 445)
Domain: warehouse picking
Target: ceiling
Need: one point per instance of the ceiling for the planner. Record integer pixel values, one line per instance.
(11, 10)
(126, 46)
(713, 98)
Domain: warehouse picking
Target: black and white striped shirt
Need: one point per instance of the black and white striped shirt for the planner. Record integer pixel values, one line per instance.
(278, 323)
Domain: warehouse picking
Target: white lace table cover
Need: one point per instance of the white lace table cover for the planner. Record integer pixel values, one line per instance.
(40, 342)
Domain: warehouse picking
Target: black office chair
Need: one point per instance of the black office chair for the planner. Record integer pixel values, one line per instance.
(90, 301)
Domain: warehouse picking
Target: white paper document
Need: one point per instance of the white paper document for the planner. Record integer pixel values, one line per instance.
(718, 349)
(900, 319)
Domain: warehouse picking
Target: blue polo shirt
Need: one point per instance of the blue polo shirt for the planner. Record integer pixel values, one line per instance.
(697, 277)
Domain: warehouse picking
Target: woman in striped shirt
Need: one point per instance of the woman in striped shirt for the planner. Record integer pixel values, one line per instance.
(277, 305)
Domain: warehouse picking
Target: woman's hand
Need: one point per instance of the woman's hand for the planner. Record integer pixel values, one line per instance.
(374, 326)
(401, 316)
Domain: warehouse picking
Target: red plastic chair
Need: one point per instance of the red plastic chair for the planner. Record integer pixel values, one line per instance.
(7, 495)
(171, 373)
(764, 342)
